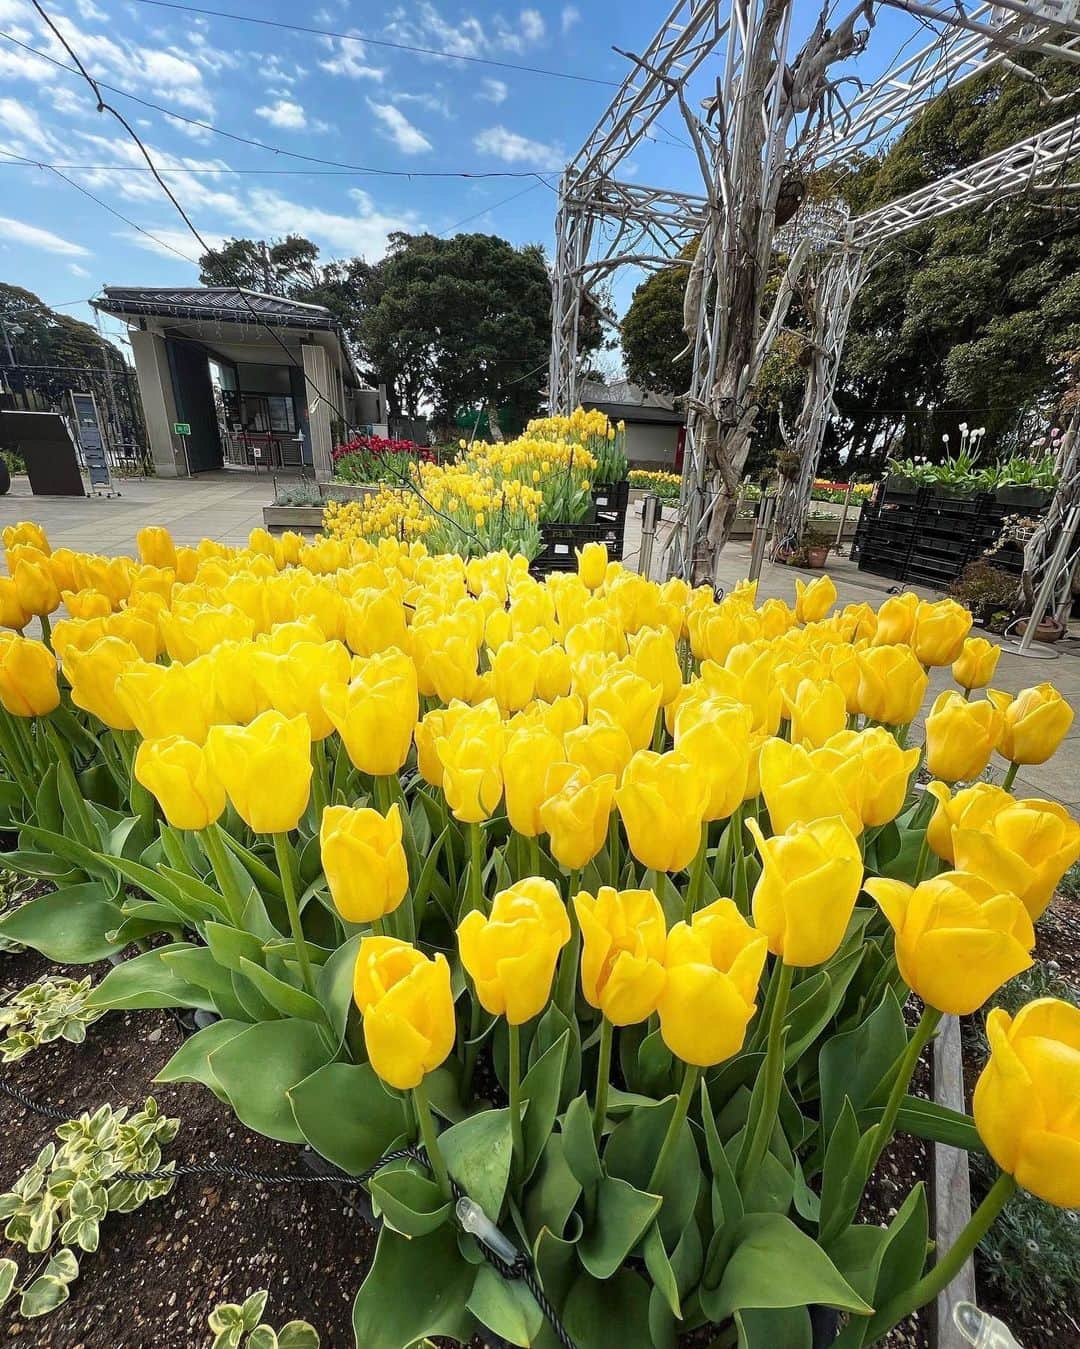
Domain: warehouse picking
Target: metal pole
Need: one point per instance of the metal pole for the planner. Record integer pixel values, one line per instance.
(843, 518)
(650, 512)
(1025, 647)
(762, 525)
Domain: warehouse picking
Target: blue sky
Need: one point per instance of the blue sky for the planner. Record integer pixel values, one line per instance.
(349, 101)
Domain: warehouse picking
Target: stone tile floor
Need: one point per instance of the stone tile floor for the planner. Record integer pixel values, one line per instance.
(227, 505)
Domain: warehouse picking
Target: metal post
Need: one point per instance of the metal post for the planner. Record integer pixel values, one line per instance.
(843, 518)
(1025, 646)
(762, 525)
(650, 513)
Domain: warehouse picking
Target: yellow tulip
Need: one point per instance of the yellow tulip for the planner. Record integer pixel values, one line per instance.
(375, 714)
(592, 561)
(814, 600)
(471, 754)
(575, 814)
(800, 786)
(179, 775)
(958, 938)
(266, 769)
(806, 894)
(293, 682)
(624, 939)
(627, 700)
(515, 667)
(194, 632)
(364, 861)
(232, 671)
(86, 603)
(12, 613)
(886, 770)
(552, 673)
(136, 628)
(1025, 1099)
(602, 748)
(35, 587)
(156, 547)
(446, 655)
(407, 1004)
(714, 735)
(896, 620)
(1036, 722)
(960, 736)
(530, 752)
(93, 674)
(971, 808)
(940, 629)
(1025, 847)
(510, 954)
(654, 656)
(430, 729)
(26, 533)
(559, 716)
(375, 622)
(662, 802)
(892, 684)
(974, 667)
(713, 965)
(842, 663)
(28, 685)
(64, 564)
(817, 711)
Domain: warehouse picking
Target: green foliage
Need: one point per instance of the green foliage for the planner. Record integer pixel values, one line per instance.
(984, 589)
(49, 1009)
(239, 1326)
(652, 333)
(62, 1198)
(298, 494)
(962, 470)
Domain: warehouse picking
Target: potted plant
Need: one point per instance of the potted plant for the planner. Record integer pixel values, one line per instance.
(985, 589)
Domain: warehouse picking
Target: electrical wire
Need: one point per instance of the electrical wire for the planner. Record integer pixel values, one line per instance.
(380, 42)
(363, 169)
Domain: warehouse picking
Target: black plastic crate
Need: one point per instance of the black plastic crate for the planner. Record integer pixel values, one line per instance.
(610, 500)
(560, 541)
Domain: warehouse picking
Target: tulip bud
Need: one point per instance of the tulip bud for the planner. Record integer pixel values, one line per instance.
(293, 682)
(807, 890)
(817, 711)
(86, 603)
(511, 953)
(26, 534)
(28, 686)
(713, 965)
(471, 755)
(93, 674)
(552, 674)
(376, 713)
(662, 801)
(364, 861)
(958, 939)
(515, 667)
(266, 769)
(800, 786)
(407, 1004)
(627, 700)
(624, 938)
(971, 808)
(602, 748)
(179, 775)
(1025, 1099)
(1036, 722)
(892, 684)
(375, 622)
(156, 547)
(592, 560)
(896, 620)
(576, 813)
(886, 771)
(974, 667)
(530, 752)
(654, 656)
(35, 587)
(960, 736)
(12, 613)
(940, 629)
(1024, 847)
(814, 601)
(714, 735)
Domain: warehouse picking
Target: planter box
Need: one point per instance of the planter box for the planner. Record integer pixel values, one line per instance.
(1023, 498)
(347, 491)
(302, 519)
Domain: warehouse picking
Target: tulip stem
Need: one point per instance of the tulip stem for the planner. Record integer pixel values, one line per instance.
(534, 856)
(84, 825)
(513, 1073)
(883, 1130)
(284, 854)
(221, 866)
(603, 1077)
(1010, 776)
(46, 630)
(947, 1268)
(12, 751)
(566, 983)
(430, 1137)
(671, 1138)
(613, 849)
(924, 855)
(697, 875)
(319, 780)
(774, 1078)
(658, 732)
(476, 868)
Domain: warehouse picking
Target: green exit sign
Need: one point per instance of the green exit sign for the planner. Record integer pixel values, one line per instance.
(181, 428)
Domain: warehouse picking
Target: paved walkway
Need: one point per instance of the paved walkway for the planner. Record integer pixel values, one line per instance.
(227, 505)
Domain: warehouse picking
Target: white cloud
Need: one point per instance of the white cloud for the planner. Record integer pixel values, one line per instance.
(89, 10)
(570, 16)
(423, 25)
(397, 127)
(165, 241)
(431, 102)
(532, 25)
(19, 232)
(493, 91)
(76, 270)
(23, 127)
(20, 65)
(348, 59)
(284, 113)
(513, 148)
(364, 233)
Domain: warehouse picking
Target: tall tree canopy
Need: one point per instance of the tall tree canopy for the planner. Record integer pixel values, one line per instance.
(48, 337)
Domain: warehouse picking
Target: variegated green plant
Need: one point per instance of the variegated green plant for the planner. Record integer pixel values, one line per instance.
(239, 1326)
(53, 1008)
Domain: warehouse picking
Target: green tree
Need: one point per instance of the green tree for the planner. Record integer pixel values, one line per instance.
(652, 333)
(460, 322)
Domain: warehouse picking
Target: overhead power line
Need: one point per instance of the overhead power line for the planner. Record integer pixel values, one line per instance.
(381, 42)
(365, 169)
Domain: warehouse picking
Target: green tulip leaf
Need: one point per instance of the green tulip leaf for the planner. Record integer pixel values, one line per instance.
(897, 1264)
(579, 1144)
(631, 1153)
(347, 1115)
(540, 1089)
(284, 997)
(415, 1288)
(774, 1265)
(70, 926)
(660, 1271)
(768, 1328)
(553, 1191)
(410, 1201)
(334, 985)
(819, 1003)
(936, 1123)
(506, 1307)
(148, 981)
(854, 1063)
(549, 1030)
(198, 966)
(257, 1069)
(621, 1217)
(230, 945)
(73, 851)
(191, 1062)
(477, 1153)
(601, 1313)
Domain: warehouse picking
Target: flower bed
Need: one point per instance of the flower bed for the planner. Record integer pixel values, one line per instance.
(367, 459)
(606, 893)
